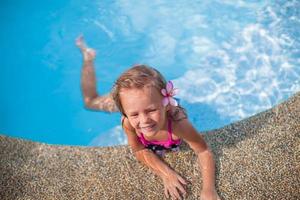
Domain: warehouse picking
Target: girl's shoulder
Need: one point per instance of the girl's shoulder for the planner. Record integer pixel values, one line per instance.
(178, 117)
(184, 130)
(177, 113)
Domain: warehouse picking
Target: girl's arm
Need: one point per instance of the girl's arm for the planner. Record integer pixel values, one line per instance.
(146, 156)
(185, 130)
(88, 82)
(171, 180)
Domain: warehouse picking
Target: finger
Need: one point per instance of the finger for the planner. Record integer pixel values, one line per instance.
(173, 195)
(182, 180)
(181, 189)
(176, 193)
(166, 193)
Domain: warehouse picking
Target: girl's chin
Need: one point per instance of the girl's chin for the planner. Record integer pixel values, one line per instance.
(149, 132)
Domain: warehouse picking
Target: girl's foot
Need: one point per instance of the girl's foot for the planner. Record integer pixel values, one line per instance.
(89, 54)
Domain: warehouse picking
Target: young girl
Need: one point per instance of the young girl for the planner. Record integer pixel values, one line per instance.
(152, 120)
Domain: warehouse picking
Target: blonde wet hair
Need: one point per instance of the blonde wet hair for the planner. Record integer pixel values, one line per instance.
(138, 77)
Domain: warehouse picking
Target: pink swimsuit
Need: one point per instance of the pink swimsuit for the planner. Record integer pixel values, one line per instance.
(160, 147)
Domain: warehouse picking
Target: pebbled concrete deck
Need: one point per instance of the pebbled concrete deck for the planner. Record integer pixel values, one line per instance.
(256, 158)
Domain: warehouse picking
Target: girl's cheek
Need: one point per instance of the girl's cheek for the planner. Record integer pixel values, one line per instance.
(158, 116)
(154, 115)
(133, 122)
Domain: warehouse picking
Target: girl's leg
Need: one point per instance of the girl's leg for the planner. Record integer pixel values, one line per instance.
(88, 81)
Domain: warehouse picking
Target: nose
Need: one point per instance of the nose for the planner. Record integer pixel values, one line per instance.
(144, 118)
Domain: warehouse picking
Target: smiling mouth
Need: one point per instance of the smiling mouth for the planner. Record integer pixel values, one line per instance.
(148, 127)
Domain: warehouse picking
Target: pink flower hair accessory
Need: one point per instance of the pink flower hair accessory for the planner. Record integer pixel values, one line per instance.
(168, 94)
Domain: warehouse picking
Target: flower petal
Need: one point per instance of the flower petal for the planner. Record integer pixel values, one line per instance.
(164, 92)
(169, 86)
(174, 91)
(165, 101)
(173, 102)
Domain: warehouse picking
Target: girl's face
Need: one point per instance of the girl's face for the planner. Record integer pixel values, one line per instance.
(144, 109)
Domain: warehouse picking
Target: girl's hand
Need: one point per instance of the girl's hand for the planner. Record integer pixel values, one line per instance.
(172, 182)
(88, 53)
(209, 195)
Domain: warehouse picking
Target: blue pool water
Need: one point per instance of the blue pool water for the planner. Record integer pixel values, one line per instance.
(230, 60)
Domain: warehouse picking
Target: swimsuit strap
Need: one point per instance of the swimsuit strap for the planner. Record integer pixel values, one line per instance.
(142, 135)
(169, 130)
